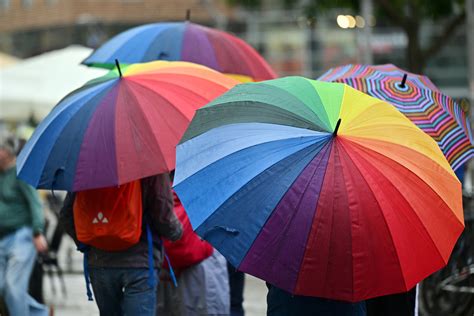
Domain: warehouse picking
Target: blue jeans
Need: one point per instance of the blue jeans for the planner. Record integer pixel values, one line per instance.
(17, 256)
(123, 291)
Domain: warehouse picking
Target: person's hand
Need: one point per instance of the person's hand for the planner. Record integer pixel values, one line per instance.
(40, 242)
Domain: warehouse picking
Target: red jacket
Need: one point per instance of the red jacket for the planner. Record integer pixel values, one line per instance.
(190, 249)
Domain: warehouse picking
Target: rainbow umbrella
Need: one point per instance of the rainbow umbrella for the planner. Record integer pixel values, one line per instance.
(184, 41)
(118, 128)
(319, 189)
(419, 99)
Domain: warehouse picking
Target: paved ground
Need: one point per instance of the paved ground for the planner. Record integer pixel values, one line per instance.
(75, 302)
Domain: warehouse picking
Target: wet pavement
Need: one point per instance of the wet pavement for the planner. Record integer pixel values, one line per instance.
(74, 302)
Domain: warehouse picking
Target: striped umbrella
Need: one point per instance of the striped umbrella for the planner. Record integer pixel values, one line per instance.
(418, 99)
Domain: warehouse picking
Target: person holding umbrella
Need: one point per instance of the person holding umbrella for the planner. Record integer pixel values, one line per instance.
(319, 189)
(120, 279)
(188, 41)
(111, 144)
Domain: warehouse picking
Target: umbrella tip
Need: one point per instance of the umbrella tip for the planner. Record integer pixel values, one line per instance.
(402, 84)
(337, 127)
(118, 67)
(188, 15)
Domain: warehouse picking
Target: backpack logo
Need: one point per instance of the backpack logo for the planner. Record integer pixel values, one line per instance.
(100, 219)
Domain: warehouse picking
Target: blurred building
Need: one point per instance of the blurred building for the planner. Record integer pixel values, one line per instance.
(296, 45)
(30, 27)
(292, 43)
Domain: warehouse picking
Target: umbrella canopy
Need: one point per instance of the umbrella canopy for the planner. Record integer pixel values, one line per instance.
(184, 41)
(319, 189)
(118, 128)
(419, 99)
(31, 87)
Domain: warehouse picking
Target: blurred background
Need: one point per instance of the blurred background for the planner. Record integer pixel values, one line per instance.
(297, 37)
(42, 43)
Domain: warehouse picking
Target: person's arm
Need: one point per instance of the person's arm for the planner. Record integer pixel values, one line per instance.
(66, 217)
(158, 204)
(37, 217)
(35, 207)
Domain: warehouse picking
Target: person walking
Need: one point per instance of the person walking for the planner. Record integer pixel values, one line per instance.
(121, 279)
(201, 273)
(21, 234)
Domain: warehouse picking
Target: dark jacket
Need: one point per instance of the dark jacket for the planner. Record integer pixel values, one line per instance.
(282, 303)
(157, 210)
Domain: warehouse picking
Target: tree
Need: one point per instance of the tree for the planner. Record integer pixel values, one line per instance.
(406, 14)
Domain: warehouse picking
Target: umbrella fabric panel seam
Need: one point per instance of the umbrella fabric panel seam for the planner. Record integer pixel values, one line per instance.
(198, 48)
(273, 252)
(236, 214)
(385, 122)
(332, 96)
(444, 255)
(408, 258)
(207, 119)
(75, 103)
(105, 52)
(267, 94)
(374, 227)
(326, 260)
(99, 142)
(65, 179)
(302, 89)
(169, 91)
(147, 148)
(230, 139)
(380, 147)
(171, 44)
(233, 170)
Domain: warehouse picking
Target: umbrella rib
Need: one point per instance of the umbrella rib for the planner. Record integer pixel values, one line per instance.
(165, 98)
(181, 87)
(374, 150)
(321, 122)
(171, 28)
(430, 188)
(207, 166)
(215, 108)
(289, 186)
(131, 94)
(102, 91)
(236, 50)
(314, 214)
(382, 215)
